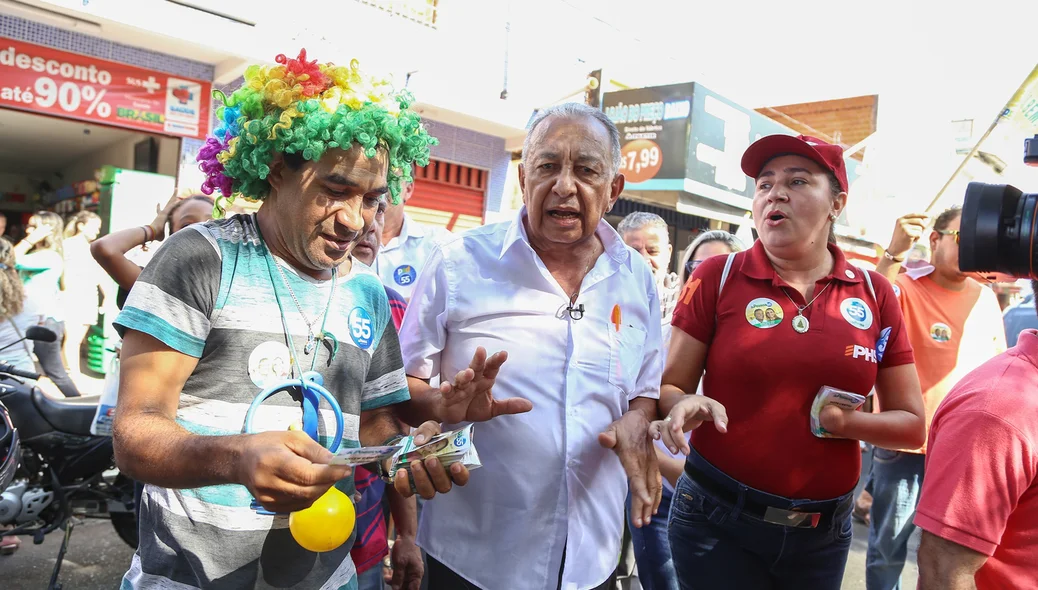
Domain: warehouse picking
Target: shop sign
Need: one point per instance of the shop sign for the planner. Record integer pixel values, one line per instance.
(654, 132)
(721, 132)
(68, 85)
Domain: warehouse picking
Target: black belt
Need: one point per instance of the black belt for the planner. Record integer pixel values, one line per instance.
(765, 512)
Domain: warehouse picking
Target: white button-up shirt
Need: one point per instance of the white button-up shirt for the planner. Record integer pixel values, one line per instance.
(400, 261)
(546, 484)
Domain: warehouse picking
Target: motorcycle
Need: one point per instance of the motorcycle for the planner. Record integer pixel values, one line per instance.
(64, 473)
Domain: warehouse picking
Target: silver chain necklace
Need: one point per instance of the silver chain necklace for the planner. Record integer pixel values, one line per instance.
(800, 323)
(311, 338)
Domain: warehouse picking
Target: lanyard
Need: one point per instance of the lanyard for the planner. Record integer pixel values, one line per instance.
(311, 401)
(284, 321)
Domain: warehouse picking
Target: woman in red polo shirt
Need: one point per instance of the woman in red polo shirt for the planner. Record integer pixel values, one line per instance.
(764, 503)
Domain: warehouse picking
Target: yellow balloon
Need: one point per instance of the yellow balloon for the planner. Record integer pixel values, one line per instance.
(326, 524)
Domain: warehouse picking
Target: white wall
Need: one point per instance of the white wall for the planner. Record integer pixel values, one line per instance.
(169, 156)
(120, 155)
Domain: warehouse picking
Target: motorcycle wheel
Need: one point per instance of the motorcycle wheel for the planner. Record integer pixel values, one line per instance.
(125, 524)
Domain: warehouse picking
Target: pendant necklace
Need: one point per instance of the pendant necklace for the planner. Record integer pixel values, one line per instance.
(311, 338)
(800, 323)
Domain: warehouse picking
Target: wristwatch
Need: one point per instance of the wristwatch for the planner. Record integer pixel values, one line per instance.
(892, 258)
(379, 467)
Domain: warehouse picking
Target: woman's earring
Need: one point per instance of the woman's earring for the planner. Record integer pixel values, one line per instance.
(832, 217)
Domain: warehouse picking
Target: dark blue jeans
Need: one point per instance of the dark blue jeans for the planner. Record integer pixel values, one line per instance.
(652, 549)
(716, 544)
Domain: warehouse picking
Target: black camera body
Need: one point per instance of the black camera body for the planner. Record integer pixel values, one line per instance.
(999, 226)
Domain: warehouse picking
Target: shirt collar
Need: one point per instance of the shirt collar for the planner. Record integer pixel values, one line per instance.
(1027, 345)
(611, 241)
(756, 265)
(410, 229)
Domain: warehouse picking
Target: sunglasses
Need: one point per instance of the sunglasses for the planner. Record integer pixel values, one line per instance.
(950, 232)
(691, 265)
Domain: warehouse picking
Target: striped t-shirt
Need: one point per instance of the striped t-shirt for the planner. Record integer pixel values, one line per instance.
(210, 293)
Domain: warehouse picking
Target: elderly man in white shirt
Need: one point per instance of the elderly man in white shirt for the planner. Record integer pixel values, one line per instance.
(405, 246)
(576, 313)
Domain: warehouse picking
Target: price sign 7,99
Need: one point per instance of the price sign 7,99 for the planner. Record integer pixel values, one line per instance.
(642, 159)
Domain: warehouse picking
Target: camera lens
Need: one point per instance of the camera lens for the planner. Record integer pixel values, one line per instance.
(998, 230)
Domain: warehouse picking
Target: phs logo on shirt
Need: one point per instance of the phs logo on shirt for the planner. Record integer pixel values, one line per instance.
(858, 351)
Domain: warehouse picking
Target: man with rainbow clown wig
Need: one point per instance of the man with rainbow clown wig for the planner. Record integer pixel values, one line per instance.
(240, 487)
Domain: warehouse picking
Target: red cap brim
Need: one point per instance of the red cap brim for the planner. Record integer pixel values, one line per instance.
(765, 149)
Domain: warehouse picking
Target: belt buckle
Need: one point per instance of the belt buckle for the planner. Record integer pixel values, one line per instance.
(792, 518)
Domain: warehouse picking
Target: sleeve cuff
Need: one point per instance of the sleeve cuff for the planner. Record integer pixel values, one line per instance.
(897, 359)
(419, 369)
(135, 319)
(399, 396)
(957, 536)
(646, 392)
(690, 329)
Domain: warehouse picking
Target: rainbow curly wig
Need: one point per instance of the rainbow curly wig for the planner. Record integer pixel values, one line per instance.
(305, 108)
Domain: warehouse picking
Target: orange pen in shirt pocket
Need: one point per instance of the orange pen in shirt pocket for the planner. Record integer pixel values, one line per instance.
(616, 317)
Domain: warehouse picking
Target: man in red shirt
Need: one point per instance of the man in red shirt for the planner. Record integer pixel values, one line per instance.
(954, 324)
(979, 505)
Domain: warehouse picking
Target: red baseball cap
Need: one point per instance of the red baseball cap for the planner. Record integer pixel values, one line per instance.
(824, 154)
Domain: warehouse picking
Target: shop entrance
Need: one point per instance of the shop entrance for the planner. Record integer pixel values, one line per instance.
(64, 167)
(51, 164)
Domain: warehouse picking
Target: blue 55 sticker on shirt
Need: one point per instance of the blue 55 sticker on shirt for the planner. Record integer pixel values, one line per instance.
(881, 344)
(404, 274)
(857, 313)
(360, 328)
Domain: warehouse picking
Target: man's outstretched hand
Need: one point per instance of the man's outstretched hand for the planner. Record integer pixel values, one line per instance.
(629, 438)
(470, 397)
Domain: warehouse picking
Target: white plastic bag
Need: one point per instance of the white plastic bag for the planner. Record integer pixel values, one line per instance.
(102, 425)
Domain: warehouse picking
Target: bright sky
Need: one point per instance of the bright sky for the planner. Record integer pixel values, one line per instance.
(956, 61)
(930, 62)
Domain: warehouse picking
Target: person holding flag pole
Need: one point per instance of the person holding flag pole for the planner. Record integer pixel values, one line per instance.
(954, 325)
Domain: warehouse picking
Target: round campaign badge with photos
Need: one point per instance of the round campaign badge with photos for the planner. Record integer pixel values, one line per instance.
(857, 313)
(763, 313)
(269, 364)
(940, 332)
